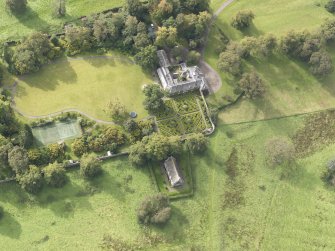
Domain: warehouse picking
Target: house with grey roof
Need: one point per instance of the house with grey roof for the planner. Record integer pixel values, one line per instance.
(179, 78)
(173, 173)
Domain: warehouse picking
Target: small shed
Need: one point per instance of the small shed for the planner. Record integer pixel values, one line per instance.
(172, 171)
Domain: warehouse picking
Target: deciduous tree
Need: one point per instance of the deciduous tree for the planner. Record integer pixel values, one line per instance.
(252, 85)
(90, 167)
(18, 159)
(154, 210)
(32, 180)
(321, 63)
(243, 19)
(55, 175)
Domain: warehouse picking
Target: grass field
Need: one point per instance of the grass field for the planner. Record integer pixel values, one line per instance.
(39, 16)
(290, 88)
(254, 210)
(78, 216)
(87, 84)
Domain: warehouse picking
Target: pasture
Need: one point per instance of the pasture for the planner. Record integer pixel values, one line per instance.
(290, 87)
(250, 209)
(86, 84)
(39, 17)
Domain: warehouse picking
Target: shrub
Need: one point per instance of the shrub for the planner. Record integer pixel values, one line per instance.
(193, 57)
(32, 180)
(242, 19)
(55, 175)
(38, 156)
(321, 63)
(329, 175)
(79, 146)
(26, 138)
(56, 152)
(18, 159)
(328, 30)
(90, 167)
(196, 143)
(154, 210)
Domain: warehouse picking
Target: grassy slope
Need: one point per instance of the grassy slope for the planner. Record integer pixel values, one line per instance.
(293, 214)
(39, 16)
(87, 84)
(296, 213)
(290, 87)
(75, 221)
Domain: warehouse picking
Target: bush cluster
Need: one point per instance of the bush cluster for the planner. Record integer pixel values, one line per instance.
(175, 22)
(154, 210)
(105, 139)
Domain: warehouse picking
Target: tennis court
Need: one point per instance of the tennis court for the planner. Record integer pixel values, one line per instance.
(56, 132)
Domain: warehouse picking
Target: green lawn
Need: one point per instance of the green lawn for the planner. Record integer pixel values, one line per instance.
(87, 84)
(254, 210)
(290, 88)
(77, 216)
(39, 16)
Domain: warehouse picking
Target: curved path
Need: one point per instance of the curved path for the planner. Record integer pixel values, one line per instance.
(59, 113)
(13, 89)
(212, 76)
(222, 7)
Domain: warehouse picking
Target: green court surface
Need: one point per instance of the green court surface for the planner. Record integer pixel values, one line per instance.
(56, 132)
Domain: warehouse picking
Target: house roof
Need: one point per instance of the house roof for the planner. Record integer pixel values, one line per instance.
(172, 171)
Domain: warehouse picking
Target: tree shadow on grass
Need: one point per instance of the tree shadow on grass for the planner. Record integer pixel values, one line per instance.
(49, 76)
(13, 194)
(32, 20)
(298, 176)
(100, 60)
(252, 31)
(10, 227)
(108, 184)
(64, 201)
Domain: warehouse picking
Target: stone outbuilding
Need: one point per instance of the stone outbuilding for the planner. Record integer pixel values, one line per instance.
(173, 173)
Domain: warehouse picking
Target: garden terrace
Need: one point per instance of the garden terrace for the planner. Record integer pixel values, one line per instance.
(183, 114)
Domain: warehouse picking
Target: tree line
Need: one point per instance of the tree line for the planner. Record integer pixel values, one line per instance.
(137, 29)
(307, 47)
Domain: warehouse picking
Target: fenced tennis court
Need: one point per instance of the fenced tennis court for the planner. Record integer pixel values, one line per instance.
(56, 132)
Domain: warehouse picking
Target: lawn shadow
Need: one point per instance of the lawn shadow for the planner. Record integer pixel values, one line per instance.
(13, 194)
(252, 31)
(10, 227)
(43, 80)
(100, 60)
(298, 176)
(108, 184)
(64, 201)
(30, 18)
